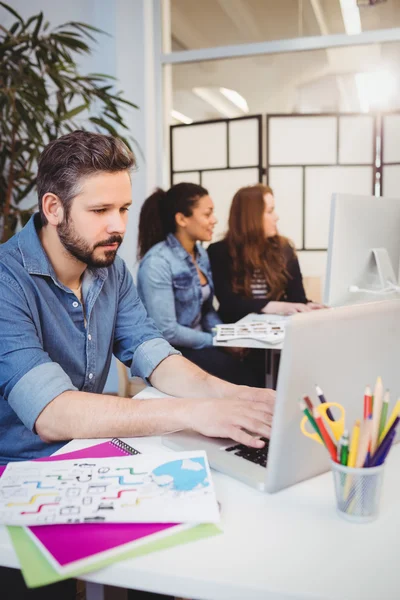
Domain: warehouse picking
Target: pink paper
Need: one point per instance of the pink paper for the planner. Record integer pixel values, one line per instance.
(69, 543)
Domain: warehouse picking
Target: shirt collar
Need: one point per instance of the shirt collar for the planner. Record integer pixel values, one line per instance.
(34, 257)
(174, 243)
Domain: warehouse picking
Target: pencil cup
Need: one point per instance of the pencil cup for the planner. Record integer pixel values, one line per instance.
(358, 492)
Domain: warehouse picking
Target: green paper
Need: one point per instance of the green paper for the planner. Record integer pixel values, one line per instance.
(38, 571)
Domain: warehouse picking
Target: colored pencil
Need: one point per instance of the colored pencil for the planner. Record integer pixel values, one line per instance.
(355, 436)
(325, 435)
(367, 402)
(365, 437)
(322, 399)
(385, 408)
(395, 413)
(308, 414)
(308, 402)
(376, 414)
(393, 426)
(383, 450)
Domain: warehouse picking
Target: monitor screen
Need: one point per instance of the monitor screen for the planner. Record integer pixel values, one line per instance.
(363, 251)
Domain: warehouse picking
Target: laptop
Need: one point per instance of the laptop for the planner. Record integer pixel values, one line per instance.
(341, 350)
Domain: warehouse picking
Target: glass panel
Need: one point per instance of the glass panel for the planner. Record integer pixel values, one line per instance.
(350, 79)
(212, 23)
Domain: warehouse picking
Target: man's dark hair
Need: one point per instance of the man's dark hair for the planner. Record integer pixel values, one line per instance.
(67, 160)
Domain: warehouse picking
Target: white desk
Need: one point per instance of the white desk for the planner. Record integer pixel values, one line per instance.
(285, 546)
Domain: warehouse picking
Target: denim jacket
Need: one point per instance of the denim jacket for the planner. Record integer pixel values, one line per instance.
(170, 289)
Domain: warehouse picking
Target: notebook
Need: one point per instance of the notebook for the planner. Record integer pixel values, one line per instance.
(59, 541)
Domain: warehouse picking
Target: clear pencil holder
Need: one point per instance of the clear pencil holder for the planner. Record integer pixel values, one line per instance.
(358, 492)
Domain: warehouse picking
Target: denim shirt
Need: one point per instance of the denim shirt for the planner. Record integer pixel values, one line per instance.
(169, 286)
(45, 346)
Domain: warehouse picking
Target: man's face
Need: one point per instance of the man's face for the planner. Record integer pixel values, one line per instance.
(97, 220)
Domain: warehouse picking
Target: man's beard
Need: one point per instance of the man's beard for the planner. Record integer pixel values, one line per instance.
(80, 249)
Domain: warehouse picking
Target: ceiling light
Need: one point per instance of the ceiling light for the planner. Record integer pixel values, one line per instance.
(213, 97)
(178, 116)
(351, 16)
(236, 98)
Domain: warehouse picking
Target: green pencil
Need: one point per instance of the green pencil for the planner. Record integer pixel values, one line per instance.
(309, 416)
(384, 412)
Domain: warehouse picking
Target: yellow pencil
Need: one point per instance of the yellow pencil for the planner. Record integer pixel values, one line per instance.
(395, 413)
(355, 436)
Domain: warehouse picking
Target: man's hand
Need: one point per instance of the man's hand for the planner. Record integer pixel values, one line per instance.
(251, 409)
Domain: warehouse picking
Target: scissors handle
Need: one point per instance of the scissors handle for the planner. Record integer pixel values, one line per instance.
(336, 427)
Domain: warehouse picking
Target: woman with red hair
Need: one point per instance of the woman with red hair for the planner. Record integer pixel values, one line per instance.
(255, 269)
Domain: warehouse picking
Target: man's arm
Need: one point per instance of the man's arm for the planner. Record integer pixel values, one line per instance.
(210, 406)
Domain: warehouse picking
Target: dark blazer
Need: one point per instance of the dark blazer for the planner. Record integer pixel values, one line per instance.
(234, 306)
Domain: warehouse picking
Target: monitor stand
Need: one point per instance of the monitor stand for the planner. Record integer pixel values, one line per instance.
(384, 266)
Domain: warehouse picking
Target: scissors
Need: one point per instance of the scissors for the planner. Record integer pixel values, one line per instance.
(337, 426)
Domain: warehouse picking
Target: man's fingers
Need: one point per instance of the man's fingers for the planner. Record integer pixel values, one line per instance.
(254, 425)
(242, 437)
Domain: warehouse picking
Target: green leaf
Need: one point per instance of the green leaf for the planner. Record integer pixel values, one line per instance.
(12, 11)
(72, 113)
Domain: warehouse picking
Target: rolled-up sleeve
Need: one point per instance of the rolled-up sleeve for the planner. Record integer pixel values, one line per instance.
(36, 389)
(29, 379)
(149, 355)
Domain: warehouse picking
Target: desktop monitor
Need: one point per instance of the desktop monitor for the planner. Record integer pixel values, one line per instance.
(363, 251)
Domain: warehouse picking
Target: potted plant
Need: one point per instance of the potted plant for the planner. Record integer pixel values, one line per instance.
(42, 96)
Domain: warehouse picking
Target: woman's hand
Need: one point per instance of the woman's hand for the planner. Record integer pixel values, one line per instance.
(286, 308)
(316, 305)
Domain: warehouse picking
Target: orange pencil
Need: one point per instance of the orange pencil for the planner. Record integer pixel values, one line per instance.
(325, 435)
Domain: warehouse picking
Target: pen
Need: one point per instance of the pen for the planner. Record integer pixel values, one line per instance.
(376, 414)
(344, 448)
(322, 399)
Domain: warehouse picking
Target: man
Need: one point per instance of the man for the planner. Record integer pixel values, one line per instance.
(68, 302)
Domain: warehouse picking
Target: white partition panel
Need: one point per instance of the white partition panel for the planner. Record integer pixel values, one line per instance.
(222, 185)
(198, 147)
(244, 142)
(302, 140)
(391, 181)
(356, 139)
(313, 264)
(187, 177)
(287, 185)
(391, 138)
(321, 183)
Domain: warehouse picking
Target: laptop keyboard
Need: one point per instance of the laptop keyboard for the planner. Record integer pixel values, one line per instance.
(255, 455)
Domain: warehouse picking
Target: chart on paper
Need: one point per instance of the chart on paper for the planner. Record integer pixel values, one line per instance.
(144, 488)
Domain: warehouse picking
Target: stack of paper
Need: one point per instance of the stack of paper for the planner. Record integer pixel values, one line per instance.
(262, 331)
(139, 500)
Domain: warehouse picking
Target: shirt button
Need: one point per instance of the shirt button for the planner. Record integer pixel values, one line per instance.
(90, 375)
(89, 337)
(75, 304)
